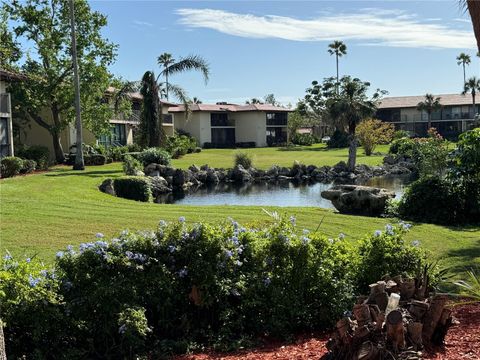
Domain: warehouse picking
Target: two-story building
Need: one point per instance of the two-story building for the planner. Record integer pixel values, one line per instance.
(455, 116)
(227, 125)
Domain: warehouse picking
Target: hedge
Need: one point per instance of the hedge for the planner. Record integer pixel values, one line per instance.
(133, 187)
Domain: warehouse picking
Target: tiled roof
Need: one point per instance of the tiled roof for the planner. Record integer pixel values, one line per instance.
(138, 96)
(412, 101)
(10, 75)
(229, 108)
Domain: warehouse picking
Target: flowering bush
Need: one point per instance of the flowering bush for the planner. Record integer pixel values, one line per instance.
(150, 292)
(154, 155)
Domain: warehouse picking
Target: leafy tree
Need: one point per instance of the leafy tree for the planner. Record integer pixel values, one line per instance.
(297, 120)
(350, 106)
(464, 59)
(372, 132)
(337, 48)
(471, 86)
(48, 66)
(191, 62)
(270, 99)
(312, 105)
(10, 51)
(429, 105)
(254, 101)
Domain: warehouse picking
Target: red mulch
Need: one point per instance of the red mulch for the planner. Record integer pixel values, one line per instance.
(462, 342)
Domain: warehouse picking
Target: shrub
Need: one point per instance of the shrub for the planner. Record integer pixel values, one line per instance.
(94, 159)
(403, 146)
(339, 139)
(131, 166)
(304, 139)
(154, 155)
(198, 149)
(431, 199)
(133, 187)
(372, 132)
(400, 134)
(40, 154)
(28, 166)
(180, 145)
(155, 291)
(244, 159)
(10, 166)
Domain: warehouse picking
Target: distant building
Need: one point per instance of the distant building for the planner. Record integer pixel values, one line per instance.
(228, 125)
(456, 115)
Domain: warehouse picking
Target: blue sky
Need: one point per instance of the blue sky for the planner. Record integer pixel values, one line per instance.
(260, 47)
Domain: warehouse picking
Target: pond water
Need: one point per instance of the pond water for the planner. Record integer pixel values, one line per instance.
(283, 193)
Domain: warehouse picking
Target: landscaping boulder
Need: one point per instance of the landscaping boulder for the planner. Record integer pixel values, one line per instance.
(178, 178)
(356, 199)
(240, 174)
(211, 177)
(159, 186)
(107, 187)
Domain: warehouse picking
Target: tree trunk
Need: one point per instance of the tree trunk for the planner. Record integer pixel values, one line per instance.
(474, 10)
(166, 82)
(57, 145)
(429, 124)
(352, 149)
(3, 352)
(464, 76)
(473, 102)
(337, 74)
(79, 163)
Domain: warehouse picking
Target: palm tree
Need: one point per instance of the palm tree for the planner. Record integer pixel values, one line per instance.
(191, 62)
(196, 100)
(337, 48)
(464, 59)
(429, 105)
(472, 85)
(254, 101)
(350, 106)
(474, 10)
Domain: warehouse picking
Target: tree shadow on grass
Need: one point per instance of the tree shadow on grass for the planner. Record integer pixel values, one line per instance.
(92, 174)
(305, 148)
(468, 257)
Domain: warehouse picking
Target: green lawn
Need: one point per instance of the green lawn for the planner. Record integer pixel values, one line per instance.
(42, 213)
(263, 158)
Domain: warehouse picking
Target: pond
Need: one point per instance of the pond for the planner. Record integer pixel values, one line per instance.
(285, 193)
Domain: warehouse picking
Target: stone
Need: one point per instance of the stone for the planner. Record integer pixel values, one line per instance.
(310, 169)
(194, 168)
(239, 174)
(159, 186)
(359, 200)
(273, 171)
(284, 171)
(211, 177)
(340, 167)
(178, 178)
(107, 187)
(389, 160)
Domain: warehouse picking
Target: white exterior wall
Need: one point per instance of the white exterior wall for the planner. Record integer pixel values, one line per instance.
(251, 126)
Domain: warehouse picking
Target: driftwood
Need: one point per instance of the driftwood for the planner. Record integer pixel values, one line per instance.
(376, 330)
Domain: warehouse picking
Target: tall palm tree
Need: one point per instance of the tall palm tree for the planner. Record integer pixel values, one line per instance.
(337, 48)
(473, 7)
(196, 100)
(191, 62)
(429, 105)
(464, 59)
(471, 86)
(350, 106)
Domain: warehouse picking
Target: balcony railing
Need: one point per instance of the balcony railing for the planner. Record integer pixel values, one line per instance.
(5, 103)
(134, 116)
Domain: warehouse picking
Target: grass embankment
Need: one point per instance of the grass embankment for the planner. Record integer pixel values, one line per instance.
(42, 213)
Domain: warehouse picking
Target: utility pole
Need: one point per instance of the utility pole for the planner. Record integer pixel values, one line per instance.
(79, 163)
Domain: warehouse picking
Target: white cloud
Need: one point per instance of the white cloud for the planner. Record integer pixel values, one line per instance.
(393, 28)
(142, 23)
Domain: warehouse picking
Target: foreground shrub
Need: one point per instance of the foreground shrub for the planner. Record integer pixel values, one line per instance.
(28, 166)
(40, 154)
(304, 139)
(94, 159)
(180, 145)
(339, 139)
(10, 166)
(154, 155)
(131, 166)
(372, 132)
(133, 187)
(431, 199)
(147, 293)
(243, 158)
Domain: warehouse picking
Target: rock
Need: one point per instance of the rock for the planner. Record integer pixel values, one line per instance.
(273, 171)
(107, 187)
(194, 168)
(340, 167)
(159, 186)
(284, 171)
(211, 177)
(389, 160)
(360, 200)
(310, 169)
(178, 179)
(204, 167)
(239, 174)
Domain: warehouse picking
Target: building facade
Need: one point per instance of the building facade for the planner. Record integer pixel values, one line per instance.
(6, 127)
(224, 125)
(455, 116)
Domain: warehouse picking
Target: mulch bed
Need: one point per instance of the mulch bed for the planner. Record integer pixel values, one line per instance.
(462, 342)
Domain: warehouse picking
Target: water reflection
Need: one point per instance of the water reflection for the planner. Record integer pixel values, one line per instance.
(283, 193)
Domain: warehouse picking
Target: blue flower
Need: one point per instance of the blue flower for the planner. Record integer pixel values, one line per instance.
(33, 281)
(7, 257)
(129, 254)
(85, 246)
(235, 224)
(267, 281)
(416, 243)
(183, 272)
(341, 236)
(28, 260)
(405, 226)
(235, 240)
(238, 263)
(377, 233)
(389, 229)
(240, 249)
(102, 244)
(44, 273)
(228, 253)
(293, 220)
(122, 329)
(162, 223)
(306, 232)
(171, 249)
(60, 254)
(124, 232)
(305, 240)
(331, 241)
(181, 219)
(99, 235)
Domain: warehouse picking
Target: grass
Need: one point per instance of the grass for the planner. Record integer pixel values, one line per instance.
(42, 213)
(263, 158)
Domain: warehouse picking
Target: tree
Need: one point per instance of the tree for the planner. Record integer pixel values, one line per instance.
(337, 48)
(372, 132)
(191, 62)
(49, 69)
(474, 10)
(429, 105)
(464, 59)
(196, 100)
(254, 101)
(270, 99)
(349, 105)
(10, 51)
(471, 86)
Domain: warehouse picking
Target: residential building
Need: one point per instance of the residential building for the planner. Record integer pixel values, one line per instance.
(6, 127)
(454, 117)
(227, 125)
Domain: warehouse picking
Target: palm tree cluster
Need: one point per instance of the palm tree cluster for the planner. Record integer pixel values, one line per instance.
(472, 84)
(429, 105)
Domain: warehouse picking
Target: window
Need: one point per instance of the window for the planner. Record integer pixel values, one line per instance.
(277, 119)
(276, 135)
(223, 137)
(167, 118)
(221, 119)
(118, 136)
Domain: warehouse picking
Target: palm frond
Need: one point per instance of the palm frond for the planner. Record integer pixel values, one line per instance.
(125, 92)
(180, 94)
(191, 62)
